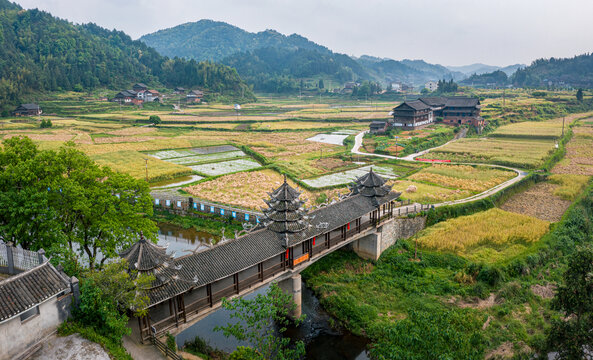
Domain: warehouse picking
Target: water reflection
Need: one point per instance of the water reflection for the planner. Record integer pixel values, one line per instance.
(183, 241)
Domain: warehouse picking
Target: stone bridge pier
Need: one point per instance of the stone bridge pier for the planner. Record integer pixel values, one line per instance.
(293, 286)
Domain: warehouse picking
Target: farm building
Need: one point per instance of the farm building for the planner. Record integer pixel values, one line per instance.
(412, 115)
(27, 110)
(194, 96)
(126, 96)
(139, 87)
(431, 86)
(379, 127)
(455, 110)
(179, 90)
(462, 110)
(36, 298)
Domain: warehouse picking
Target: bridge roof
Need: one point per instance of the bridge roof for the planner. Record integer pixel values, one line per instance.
(239, 254)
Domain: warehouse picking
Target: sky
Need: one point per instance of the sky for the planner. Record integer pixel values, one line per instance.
(447, 32)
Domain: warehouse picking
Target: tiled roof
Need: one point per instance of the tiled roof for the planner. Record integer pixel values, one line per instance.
(29, 106)
(414, 104)
(30, 288)
(459, 101)
(233, 256)
(145, 256)
(434, 101)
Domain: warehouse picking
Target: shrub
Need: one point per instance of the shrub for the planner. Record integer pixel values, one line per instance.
(244, 353)
(171, 344)
(155, 119)
(490, 275)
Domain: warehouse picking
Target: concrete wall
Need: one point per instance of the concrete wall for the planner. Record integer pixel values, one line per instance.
(372, 246)
(17, 337)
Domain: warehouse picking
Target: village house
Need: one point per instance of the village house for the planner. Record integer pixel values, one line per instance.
(139, 87)
(148, 95)
(455, 110)
(35, 299)
(412, 115)
(125, 97)
(194, 96)
(431, 86)
(179, 90)
(27, 110)
(379, 127)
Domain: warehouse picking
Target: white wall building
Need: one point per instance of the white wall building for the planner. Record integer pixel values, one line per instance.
(431, 86)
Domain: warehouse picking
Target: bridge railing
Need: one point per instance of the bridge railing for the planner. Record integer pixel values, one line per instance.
(324, 243)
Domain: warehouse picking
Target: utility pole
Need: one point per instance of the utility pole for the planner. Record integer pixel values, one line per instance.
(146, 167)
(396, 152)
(563, 126)
(503, 100)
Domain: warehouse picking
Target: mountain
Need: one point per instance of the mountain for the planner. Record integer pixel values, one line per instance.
(496, 78)
(44, 53)
(406, 71)
(576, 72)
(215, 40)
(479, 69)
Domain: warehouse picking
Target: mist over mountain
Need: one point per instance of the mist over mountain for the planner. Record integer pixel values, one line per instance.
(479, 69)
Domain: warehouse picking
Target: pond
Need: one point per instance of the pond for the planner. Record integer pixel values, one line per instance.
(183, 241)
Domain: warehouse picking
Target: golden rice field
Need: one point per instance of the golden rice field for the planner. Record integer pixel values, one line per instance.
(486, 237)
(543, 129)
(425, 193)
(570, 186)
(134, 163)
(504, 151)
(475, 179)
(247, 189)
(579, 152)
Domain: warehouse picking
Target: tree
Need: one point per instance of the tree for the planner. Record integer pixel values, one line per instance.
(580, 94)
(424, 91)
(320, 85)
(155, 119)
(107, 295)
(256, 324)
(571, 336)
(55, 199)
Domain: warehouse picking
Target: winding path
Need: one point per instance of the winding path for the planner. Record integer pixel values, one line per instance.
(412, 157)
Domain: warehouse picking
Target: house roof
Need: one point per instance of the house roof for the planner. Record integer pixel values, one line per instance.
(145, 256)
(459, 101)
(414, 104)
(126, 93)
(233, 256)
(434, 101)
(29, 107)
(30, 288)
(378, 124)
(140, 85)
(196, 92)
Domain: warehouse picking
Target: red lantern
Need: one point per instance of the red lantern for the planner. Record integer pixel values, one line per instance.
(287, 253)
(313, 240)
(348, 226)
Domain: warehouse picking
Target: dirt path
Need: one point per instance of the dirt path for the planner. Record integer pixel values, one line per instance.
(72, 347)
(520, 173)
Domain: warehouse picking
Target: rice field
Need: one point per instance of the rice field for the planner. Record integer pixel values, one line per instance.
(490, 236)
(579, 152)
(134, 163)
(569, 186)
(225, 167)
(333, 138)
(247, 189)
(548, 129)
(425, 193)
(538, 201)
(199, 159)
(523, 153)
(475, 179)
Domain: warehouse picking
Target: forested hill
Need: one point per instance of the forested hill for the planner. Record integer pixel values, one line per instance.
(576, 72)
(43, 53)
(273, 62)
(216, 40)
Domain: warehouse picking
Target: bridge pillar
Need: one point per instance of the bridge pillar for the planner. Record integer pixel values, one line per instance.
(368, 247)
(292, 286)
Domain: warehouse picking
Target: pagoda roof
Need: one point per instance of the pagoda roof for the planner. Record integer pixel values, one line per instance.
(145, 256)
(371, 185)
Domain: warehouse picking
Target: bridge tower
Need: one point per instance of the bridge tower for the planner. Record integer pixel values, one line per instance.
(286, 216)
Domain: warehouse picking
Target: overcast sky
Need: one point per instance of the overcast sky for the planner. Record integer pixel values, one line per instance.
(448, 32)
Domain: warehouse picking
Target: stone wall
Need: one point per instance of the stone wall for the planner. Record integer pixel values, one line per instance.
(372, 246)
(399, 229)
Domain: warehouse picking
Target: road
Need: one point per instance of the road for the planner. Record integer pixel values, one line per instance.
(520, 173)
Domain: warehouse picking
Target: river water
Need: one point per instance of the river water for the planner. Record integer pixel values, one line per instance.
(323, 342)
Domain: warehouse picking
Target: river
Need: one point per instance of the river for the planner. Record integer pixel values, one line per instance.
(323, 342)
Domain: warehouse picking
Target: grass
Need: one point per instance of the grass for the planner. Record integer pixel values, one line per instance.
(427, 193)
(472, 178)
(486, 237)
(134, 163)
(116, 350)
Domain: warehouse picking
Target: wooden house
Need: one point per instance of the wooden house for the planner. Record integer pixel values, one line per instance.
(412, 115)
(27, 110)
(126, 96)
(462, 110)
(194, 96)
(379, 127)
(139, 87)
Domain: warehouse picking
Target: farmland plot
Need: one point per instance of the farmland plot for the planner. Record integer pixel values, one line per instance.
(348, 176)
(198, 159)
(426, 193)
(465, 177)
(225, 167)
(333, 138)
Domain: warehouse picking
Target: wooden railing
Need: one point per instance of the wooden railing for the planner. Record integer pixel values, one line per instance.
(164, 349)
(322, 245)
